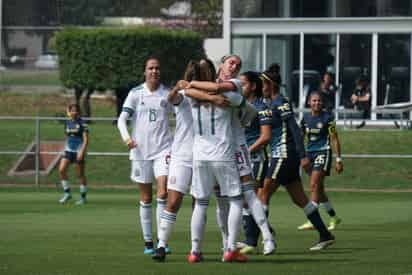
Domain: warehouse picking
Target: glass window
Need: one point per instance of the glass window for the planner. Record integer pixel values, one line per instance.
(319, 59)
(355, 60)
(393, 69)
(321, 8)
(250, 50)
(284, 50)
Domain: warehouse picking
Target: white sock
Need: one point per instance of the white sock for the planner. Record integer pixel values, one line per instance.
(160, 207)
(146, 220)
(198, 223)
(83, 191)
(256, 208)
(234, 221)
(65, 185)
(167, 222)
(222, 215)
(327, 205)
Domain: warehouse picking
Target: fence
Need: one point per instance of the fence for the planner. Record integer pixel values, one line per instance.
(112, 165)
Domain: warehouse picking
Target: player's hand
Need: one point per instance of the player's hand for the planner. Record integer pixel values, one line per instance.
(339, 167)
(183, 84)
(305, 163)
(131, 144)
(220, 101)
(80, 157)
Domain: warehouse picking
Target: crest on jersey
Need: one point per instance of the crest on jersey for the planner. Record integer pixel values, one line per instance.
(319, 125)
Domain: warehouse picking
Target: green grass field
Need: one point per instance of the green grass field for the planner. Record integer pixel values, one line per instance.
(11, 77)
(38, 236)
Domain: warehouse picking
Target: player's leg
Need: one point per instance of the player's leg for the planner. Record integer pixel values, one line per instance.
(202, 187)
(80, 169)
(325, 203)
(178, 185)
(142, 173)
(228, 179)
(222, 215)
(64, 164)
(310, 208)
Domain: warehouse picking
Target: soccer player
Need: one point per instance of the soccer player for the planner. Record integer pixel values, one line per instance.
(287, 153)
(180, 172)
(226, 81)
(149, 143)
(252, 91)
(320, 128)
(214, 162)
(77, 139)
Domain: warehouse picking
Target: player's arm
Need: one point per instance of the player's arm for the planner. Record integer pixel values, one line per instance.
(83, 148)
(174, 97)
(336, 146)
(213, 87)
(218, 100)
(127, 111)
(265, 122)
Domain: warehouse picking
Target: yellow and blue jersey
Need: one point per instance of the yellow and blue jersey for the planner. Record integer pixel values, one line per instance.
(74, 130)
(277, 116)
(318, 130)
(252, 131)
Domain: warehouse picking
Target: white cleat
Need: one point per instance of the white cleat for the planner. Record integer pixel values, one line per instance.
(322, 244)
(81, 202)
(66, 197)
(269, 247)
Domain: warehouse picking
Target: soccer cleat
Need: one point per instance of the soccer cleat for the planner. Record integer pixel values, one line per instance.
(240, 245)
(194, 257)
(269, 247)
(66, 197)
(323, 243)
(148, 248)
(248, 249)
(334, 221)
(81, 201)
(159, 254)
(168, 250)
(234, 256)
(306, 226)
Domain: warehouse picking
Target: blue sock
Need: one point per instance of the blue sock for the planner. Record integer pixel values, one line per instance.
(251, 230)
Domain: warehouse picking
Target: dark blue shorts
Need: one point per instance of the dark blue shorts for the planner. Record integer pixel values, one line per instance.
(320, 161)
(284, 170)
(72, 157)
(260, 169)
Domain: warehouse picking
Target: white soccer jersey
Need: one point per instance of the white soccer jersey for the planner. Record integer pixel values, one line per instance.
(150, 122)
(238, 130)
(213, 129)
(182, 147)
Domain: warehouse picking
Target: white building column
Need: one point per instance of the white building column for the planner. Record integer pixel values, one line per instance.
(410, 77)
(227, 26)
(374, 74)
(301, 75)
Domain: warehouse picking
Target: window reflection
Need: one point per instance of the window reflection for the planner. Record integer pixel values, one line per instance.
(250, 50)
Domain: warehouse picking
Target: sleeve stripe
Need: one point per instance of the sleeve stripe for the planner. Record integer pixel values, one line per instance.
(128, 110)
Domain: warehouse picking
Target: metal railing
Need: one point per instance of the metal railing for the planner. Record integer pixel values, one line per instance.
(37, 120)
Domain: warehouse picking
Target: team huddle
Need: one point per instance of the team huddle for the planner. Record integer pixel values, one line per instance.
(236, 138)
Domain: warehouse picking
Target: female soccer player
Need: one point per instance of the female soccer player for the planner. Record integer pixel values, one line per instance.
(180, 172)
(149, 143)
(287, 153)
(77, 139)
(319, 126)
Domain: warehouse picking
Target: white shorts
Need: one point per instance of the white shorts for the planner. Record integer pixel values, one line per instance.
(180, 175)
(145, 171)
(243, 162)
(207, 173)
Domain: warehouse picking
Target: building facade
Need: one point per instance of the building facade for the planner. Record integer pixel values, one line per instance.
(350, 39)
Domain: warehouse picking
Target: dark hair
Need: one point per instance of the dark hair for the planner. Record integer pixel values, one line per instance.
(196, 70)
(192, 71)
(315, 93)
(273, 74)
(254, 77)
(152, 57)
(209, 66)
(73, 105)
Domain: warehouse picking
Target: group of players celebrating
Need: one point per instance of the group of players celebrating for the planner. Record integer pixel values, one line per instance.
(236, 138)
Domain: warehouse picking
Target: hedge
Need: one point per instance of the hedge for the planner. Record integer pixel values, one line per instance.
(103, 58)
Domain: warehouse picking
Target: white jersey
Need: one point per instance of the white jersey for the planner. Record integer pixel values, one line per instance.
(182, 147)
(213, 129)
(150, 122)
(238, 130)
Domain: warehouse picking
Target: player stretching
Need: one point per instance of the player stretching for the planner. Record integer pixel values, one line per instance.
(319, 126)
(226, 81)
(288, 151)
(180, 172)
(149, 143)
(76, 131)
